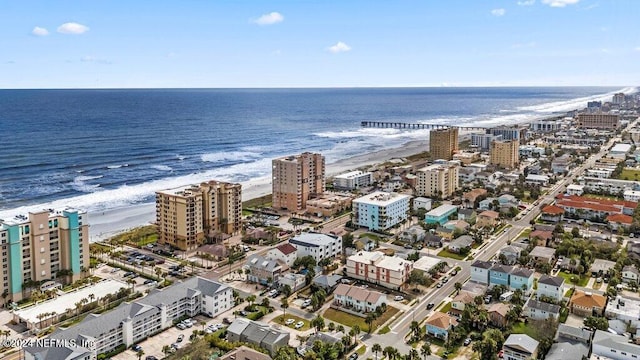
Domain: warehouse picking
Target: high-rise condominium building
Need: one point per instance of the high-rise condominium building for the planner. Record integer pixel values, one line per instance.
(505, 153)
(443, 143)
(39, 246)
(295, 179)
(439, 180)
(598, 121)
(186, 216)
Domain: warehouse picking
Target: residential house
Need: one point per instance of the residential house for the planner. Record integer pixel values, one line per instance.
(538, 310)
(575, 189)
(480, 271)
(441, 214)
(413, 234)
(459, 225)
(487, 204)
(444, 232)
(319, 246)
(244, 353)
(561, 165)
(511, 254)
(460, 301)
(263, 270)
(258, 334)
(552, 214)
(571, 344)
(439, 324)
(375, 267)
(498, 314)
(459, 244)
(533, 179)
(633, 249)
(600, 267)
(508, 199)
(521, 278)
(541, 237)
(358, 299)
(625, 309)
(295, 281)
(487, 218)
(364, 243)
(499, 275)
(630, 274)
(587, 303)
(432, 240)
(286, 253)
(542, 254)
(619, 221)
(612, 346)
(470, 197)
(550, 287)
(327, 282)
(425, 263)
(571, 333)
(520, 347)
(468, 215)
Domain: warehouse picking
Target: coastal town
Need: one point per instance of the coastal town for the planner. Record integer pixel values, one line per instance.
(514, 242)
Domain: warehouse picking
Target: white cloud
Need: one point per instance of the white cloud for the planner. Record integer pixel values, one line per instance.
(339, 47)
(72, 28)
(269, 19)
(526, 2)
(38, 31)
(498, 12)
(559, 3)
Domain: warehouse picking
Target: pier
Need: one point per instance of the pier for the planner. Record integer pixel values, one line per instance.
(411, 126)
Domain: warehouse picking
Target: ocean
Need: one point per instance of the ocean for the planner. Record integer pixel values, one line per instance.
(102, 149)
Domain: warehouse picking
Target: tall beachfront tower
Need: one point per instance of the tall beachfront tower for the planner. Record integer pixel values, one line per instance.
(35, 248)
(443, 143)
(505, 153)
(186, 216)
(295, 179)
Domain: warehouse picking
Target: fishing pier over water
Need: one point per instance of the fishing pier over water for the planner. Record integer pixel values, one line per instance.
(402, 125)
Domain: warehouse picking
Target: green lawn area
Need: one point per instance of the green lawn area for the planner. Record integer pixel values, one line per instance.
(371, 236)
(446, 308)
(384, 330)
(362, 349)
(629, 174)
(522, 328)
(567, 277)
(525, 233)
(449, 254)
(569, 293)
(280, 321)
(350, 320)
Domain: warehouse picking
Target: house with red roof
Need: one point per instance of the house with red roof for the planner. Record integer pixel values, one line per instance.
(619, 221)
(552, 213)
(591, 208)
(286, 253)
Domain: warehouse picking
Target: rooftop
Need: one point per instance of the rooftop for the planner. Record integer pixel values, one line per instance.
(381, 198)
(556, 281)
(490, 214)
(426, 263)
(623, 306)
(442, 210)
(523, 342)
(314, 239)
(287, 249)
(553, 210)
(352, 174)
(588, 300)
(441, 320)
(612, 341)
(539, 305)
(543, 252)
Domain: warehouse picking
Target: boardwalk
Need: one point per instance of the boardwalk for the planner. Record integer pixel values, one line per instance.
(401, 125)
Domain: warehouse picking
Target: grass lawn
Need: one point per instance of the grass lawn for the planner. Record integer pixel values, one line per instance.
(362, 349)
(597, 286)
(370, 236)
(567, 277)
(569, 293)
(384, 330)
(280, 321)
(263, 201)
(525, 233)
(522, 328)
(449, 254)
(350, 320)
(446, 308)
(629, 174)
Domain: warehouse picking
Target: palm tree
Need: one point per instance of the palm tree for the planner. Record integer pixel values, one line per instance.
(371, 317)
(458, 287)
(92, 297)
(284, 304)
(140, 353)
(165, 349)
(413, 354)
(356, 332)
(318, 323)
(415, 329)
(340, 328)
(390, 352)
(425, 350)
(78, 307)
(251, 299)
(376, 348)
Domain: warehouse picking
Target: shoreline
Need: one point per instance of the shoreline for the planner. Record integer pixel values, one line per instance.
(107, 223)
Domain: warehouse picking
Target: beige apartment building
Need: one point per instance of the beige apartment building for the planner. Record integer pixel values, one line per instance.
(37, 247)
(504, 153)
(297, 178)
(375, 267)
(438, 180)
(443, 143)
(598, 121)
(186, 216)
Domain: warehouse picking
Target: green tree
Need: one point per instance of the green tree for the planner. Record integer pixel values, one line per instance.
(376, 348)
(284, 304)
(318, 323)
(371, 317)
(597, 322)
(425, 350)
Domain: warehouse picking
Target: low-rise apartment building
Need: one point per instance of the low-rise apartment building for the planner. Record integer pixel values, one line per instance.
(352, 180)
(512, 278)
(380, 210)
(441, 214)
(591, 208)
(319, 246)
(258, 334)
(358, 299)
(375, 267)
(263, 271)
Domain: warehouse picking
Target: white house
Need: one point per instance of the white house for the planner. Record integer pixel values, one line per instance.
(613, 346)
(630, 274)
(480, 271)
(542, 180)
(352, 180)
(319, 246)
(538, 310)
(421, 203)
(357, 298)
(286, 253)
(624, 309)
(631, 195)
(295, 281)
(551, 287)
(575, 189)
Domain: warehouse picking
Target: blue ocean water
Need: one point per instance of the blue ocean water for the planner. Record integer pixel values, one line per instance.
(98, 149)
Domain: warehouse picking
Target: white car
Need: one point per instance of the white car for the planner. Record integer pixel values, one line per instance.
(299, 324)
(289, 322)
(398, 298)
(306, 303)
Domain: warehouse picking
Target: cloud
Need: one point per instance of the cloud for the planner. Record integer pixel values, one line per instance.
(269, 19)
(498, 12)
(38, 31)
(339, 47)
(559, 3)
(93, 59)
(526, 2)
(72, 28)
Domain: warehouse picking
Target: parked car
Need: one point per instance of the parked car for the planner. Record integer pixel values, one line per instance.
(353, 356)
(181, 326)
(306, 303)
(148, 281)
(500, 354)
(299, 324)
(289, 322)
(136, 348)
(467, 341)
(180, 338)
(398, 298)
(226, 321)
(151, 357)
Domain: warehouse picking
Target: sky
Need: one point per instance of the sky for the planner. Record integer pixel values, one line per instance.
(321, 43)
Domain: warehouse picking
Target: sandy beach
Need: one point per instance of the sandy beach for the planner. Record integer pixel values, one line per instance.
(107, 223)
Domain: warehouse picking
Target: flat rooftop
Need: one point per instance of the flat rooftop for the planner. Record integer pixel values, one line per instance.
(381, 198)
(352, 174)
(442, 210)
(426, 263)
(68, 300)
